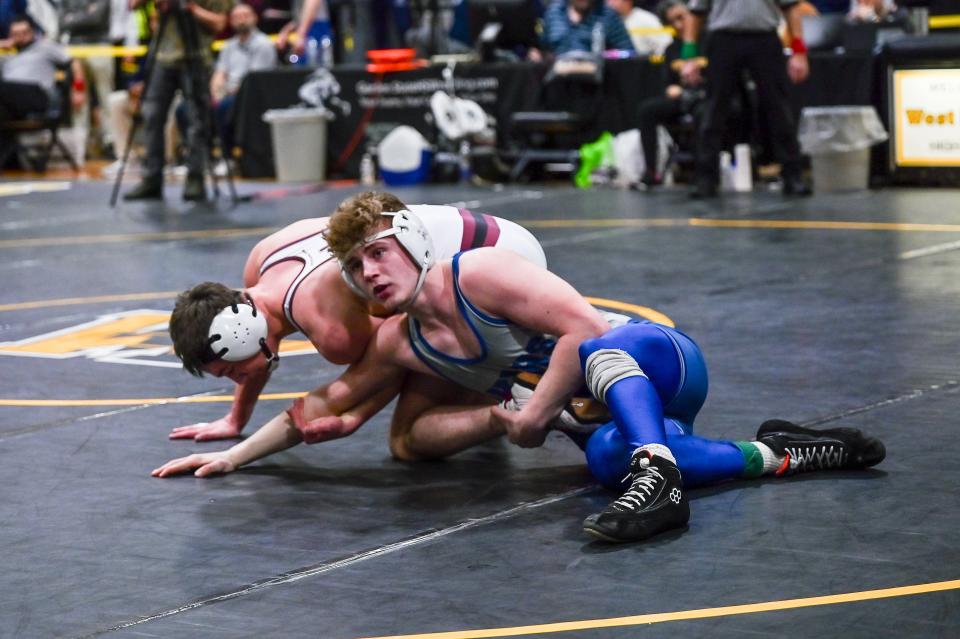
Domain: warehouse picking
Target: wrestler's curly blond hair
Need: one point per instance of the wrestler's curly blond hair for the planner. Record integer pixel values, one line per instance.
(357, 218)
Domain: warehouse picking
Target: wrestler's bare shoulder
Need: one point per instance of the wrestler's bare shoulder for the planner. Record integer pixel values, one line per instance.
(277, 240)
(297, 230)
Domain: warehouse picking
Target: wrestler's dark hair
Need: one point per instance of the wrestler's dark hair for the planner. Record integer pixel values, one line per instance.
(191, 319)
(357, 218)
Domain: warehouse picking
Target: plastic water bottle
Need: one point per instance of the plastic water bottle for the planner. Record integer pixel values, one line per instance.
(742, 169)
(326, 50)
(368, 172)
(726, 171)
(466, 171)
(311, 52)
(597, 38)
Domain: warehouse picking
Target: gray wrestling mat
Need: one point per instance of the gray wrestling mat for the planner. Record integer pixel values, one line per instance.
(835, 310)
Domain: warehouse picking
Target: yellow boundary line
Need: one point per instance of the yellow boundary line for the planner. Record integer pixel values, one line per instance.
(903, 227)
(73, 301)
(135, 237)
(703, 613)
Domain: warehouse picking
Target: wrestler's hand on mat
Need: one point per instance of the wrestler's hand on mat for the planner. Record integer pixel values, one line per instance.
(223, 428)
(519, 428)
(203, 464)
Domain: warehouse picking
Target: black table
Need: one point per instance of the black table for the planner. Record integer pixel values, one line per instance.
(403, 98)
(501, 89)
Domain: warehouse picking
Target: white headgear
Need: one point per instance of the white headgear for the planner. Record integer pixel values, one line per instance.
(413, 236)
(239, 332)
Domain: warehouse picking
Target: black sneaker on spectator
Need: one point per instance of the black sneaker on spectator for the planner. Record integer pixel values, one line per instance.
(146, 190)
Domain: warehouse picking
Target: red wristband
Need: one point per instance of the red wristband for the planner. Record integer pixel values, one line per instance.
(797, 45)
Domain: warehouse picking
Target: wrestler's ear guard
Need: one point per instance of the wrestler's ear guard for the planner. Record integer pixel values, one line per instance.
(239, 332)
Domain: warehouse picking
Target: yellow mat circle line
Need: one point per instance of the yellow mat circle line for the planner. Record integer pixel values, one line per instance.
(686, 615)
(98, 299)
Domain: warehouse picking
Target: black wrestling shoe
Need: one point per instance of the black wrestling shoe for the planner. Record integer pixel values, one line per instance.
(829, 449)
(655, 502)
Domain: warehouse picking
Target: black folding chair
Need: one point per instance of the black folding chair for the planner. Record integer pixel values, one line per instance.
(36, 155)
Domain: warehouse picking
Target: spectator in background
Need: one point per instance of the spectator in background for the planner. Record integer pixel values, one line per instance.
(804, 9)
(675, 102)
(248, 50)
(28, 79)
(876, 11)
(569, 25)
(173, 72)
(9, 9)
(124, 101)
(311, 31)
(743, 35)
(89, 22)
(644, 28)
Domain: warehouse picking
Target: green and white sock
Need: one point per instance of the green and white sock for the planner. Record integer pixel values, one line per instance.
(759, 459)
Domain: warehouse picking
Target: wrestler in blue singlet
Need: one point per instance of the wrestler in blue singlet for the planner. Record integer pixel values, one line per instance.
(659, 408)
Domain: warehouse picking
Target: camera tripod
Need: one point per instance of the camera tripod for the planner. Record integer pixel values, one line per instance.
(194, 84)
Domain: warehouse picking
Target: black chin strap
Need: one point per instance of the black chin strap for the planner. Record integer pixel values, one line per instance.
(273, 359)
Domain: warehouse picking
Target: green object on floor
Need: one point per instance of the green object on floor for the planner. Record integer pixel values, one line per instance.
(593, 155)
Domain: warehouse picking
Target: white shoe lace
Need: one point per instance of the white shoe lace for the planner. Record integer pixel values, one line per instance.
(644, 480)
(818, 458)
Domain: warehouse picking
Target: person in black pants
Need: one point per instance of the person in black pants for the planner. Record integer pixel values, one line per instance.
(743, 34)
(675, 102)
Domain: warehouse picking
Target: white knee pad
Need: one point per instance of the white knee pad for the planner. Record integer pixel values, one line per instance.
(606, 367)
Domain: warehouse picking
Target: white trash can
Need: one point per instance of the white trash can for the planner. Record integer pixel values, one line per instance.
(838, 140)
(299, 143)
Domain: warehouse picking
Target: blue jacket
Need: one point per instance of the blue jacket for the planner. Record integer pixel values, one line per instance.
(560, 35)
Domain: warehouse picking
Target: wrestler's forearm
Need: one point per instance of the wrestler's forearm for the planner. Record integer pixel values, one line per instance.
(345, 399)
(560, 381)
(245, 397)
(276, 435)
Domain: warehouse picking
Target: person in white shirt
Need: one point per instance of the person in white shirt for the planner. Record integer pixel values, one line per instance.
(642, 27)
(249, 50)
